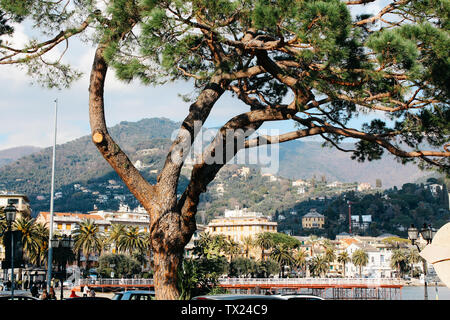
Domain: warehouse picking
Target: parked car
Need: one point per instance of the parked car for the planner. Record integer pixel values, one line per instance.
(297, 297)
(88, 299)
(258, 297)
(19, 295)
(237, 297)
(140, 295)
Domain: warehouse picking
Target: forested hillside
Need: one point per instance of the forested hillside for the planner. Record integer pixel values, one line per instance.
(85, 181)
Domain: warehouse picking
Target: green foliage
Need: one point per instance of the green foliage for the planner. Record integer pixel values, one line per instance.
(122, 265)
(200, 276)
(399, 48)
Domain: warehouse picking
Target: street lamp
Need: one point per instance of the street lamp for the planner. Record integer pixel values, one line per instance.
(63, 248)
(413, 234)
(427, 233)
(10, 214)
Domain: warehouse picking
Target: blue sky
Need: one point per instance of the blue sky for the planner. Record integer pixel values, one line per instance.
(28, 110)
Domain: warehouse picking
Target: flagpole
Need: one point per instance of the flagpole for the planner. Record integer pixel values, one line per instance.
(50, 237)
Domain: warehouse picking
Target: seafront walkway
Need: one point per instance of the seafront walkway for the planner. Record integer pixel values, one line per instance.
(260, 282)
(337, 288)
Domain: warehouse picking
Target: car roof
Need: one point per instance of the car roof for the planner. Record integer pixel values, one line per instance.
(16, 293)
(87, 298)
(299, 296)
(136, 291)
(237, 297)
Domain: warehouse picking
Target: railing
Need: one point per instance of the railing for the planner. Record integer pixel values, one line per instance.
(257, 281)
(115, 282)
(311, 281)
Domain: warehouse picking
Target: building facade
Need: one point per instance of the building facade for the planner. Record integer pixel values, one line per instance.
(65, 223)
(313, 219)
(239, 223)
(20, 201)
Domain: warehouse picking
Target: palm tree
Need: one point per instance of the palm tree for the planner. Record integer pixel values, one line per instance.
(283, 256)
(248, 243)
(413, 257)
(360, 258)
(318, 265)
(42, 235)
(264, 242)
(132, 239)
(300, 259)
(398, 258)
(330, 254)
(115, 233)
(87, 239)
(29, 236)
(231, 248)
(343, 258)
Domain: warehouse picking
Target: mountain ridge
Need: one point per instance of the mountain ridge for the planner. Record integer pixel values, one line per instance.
(79, 160)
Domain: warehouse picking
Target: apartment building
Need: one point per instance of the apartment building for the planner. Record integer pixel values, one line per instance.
(20, 201)
(313, 219)
(64, 223)
(240, 223)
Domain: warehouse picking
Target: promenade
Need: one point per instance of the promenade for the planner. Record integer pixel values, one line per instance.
(334, 288)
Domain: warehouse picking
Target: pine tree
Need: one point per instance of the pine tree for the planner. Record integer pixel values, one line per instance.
(306, 61)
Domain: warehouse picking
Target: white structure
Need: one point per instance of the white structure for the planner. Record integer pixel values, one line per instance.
(244, 172)
(361, 222)
(239, 213)
(301, 190)
(335, 184)
(378, 266)
(20, 201)
(300, 183)
(434, 188)
(271, 177)
(65, 222)
(363, 186)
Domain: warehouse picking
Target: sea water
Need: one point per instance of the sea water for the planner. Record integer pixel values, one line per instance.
(418, 293)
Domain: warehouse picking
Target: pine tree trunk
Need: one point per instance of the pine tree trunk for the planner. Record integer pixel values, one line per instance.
(169, 235)
(165, 265)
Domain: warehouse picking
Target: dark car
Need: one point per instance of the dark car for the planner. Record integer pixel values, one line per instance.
(20, 295)
(257, 297)
(237, 297)
(88, 299)
(135, 295)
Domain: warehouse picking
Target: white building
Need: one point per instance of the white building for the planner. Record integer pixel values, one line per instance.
(65, 223)
(379, 262)
(300, 183)
(20, 201)
(335, 184)
(301, 190)
(363, 186)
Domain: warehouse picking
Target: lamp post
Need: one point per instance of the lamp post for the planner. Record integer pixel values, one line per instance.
(52, 191)
(427, 233)
(63, 248)
(10, 213)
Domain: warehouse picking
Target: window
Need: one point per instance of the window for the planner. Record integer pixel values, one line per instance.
(60, 226)
(68, 226)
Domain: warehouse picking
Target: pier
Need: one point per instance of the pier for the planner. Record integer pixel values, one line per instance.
(329, 288)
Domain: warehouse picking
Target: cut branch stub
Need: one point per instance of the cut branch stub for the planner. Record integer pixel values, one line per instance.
(97, 137)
